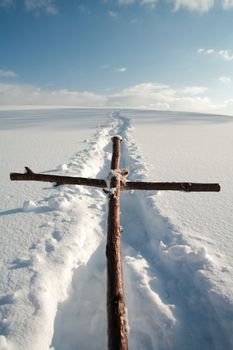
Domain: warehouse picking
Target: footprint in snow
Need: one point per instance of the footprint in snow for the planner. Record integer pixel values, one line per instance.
(6, 299)
(57, 235)
(20, 263)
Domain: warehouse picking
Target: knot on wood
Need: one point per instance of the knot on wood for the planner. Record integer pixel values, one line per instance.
(117, 298)
(186, 187)
(120, 174)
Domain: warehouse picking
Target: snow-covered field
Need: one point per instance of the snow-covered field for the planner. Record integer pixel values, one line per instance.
(177, 247)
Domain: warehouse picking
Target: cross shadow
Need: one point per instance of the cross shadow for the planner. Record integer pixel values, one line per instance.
(20, 263)
(11, 211)
(38, 210)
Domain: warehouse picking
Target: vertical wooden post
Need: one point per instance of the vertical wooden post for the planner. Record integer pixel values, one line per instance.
(117, 325)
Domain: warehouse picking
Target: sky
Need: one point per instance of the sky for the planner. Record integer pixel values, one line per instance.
(156, 54)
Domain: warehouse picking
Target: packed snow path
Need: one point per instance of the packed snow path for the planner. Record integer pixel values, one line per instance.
(171, 301)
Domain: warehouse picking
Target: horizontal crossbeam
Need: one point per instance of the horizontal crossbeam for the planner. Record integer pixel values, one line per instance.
(173, 186)
(29, 175)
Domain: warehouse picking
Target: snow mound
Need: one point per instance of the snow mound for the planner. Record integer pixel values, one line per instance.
(28, 206)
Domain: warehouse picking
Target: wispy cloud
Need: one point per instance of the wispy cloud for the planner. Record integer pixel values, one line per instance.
(84, 9)
(120, 70)
(206, 51)
(113, 14)
(149, 95)
(194, 90)
(7, 74)
(226, 55)
(225, 80)
(163, 97)
(48, 6)
(6, 3)
(200, 6)
(116, 70)
(36, 6)
(148, 3)
(227, 4)
(126, 2)
(145, 95)
(14, 94)
(192, 5)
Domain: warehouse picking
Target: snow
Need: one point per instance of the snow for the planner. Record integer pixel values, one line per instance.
(176, 247)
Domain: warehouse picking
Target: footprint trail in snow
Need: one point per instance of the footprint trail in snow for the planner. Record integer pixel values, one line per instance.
(171, 303)
(167, 296)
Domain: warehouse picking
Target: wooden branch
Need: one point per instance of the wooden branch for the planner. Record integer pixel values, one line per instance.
(117, 326)
(57, 179)
(116, 144)
(130, 185)
(173, 186)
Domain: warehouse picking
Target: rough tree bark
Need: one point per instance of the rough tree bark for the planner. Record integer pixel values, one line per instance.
(117, 324)
(29, 175)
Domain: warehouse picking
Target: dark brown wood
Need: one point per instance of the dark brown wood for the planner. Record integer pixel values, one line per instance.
(173, 186)
(116, 152)
(117, 324)
(129, 185)
(57, 179)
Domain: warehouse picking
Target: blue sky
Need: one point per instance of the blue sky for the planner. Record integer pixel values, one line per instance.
(167, 54)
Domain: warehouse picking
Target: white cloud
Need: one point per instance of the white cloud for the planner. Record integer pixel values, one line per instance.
(205, 51)
(200, 6)
(142, 89)
(126, 2)
(36, 6)
(41, 5)
(33, 5)
(160, 96)
(121, 70)
(227, 4)
(145, 95)
(149, 3)
(113, 14)
(194, 90)
(7, 74)
(229, 103)
(224, 54)
(225, 80)
(209, 51)
(6, 3)
(13, 94)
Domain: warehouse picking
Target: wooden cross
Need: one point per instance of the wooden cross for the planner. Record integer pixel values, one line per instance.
(117, 323)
